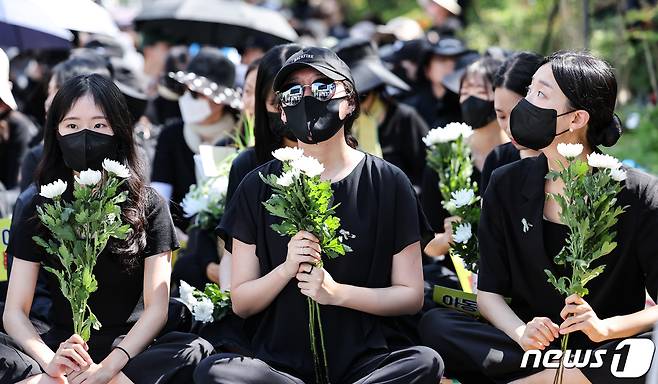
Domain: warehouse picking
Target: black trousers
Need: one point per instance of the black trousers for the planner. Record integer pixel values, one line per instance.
(172, 358)
(477, 352)
(415, 365)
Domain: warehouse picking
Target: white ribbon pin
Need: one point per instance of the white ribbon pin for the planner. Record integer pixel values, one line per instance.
(526, 225)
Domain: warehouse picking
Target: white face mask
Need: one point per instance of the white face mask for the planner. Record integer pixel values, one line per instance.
(193, 110)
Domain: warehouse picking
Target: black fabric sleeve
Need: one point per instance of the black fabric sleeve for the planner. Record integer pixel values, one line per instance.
(410, 222)
(432, 200)
(23, 226)
(647, 247)
(160, 231)
(239, 220)
(163, 165)
(494, 274)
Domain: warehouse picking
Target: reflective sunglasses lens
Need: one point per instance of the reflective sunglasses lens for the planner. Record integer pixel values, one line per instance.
(292, 96)
(323, 91)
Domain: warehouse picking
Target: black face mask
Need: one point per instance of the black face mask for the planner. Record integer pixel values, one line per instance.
(534, 127)
(278, 129)
(87, 149)
(313, 121)
(477, 112)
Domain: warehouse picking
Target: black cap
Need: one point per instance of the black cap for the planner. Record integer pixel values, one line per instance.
(449, 46)
(322, 60)
(366, 66)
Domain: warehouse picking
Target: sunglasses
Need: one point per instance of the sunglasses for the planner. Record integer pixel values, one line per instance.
(323, 90)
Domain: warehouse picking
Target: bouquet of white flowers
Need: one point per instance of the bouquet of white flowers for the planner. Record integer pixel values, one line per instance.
(588, 207)
(80, 231)
(207, 201)
(304, 202)
(207, 306)
(449, 155)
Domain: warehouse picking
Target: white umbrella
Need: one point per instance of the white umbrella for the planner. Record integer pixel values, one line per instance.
(81, 16)
(25, 25)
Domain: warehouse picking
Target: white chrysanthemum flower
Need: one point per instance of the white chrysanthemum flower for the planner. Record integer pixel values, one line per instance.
(450, 132)
(219, 185)
(116, 168)
(570, 151)
(462, 197)
(462, 233)
(203, 309)
(54, 189)
(598, 160)
(194, 203)
(88, 177)
(308, 165)
(187, 294)
(288, 153)
(286, 179)
(618, 174)
(457, 129)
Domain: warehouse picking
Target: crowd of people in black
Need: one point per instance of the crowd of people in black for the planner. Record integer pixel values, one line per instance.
(365, 99)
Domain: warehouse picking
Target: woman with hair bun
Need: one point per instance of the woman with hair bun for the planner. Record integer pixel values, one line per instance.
(571, 100)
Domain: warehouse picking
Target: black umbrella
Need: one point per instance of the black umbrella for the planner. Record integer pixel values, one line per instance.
(216, 22)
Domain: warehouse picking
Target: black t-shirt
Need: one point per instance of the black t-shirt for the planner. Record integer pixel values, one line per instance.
(501, 155)
(119, 291)
(401, 138)
(379, 206)
(513, 256)
(432, 200)
(12, 151)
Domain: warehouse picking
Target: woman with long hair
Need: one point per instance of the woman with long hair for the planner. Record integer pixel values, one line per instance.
(87, 122)
(270, 132)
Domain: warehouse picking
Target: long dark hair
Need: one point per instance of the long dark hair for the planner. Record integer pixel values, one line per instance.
(269, 66)
(52, 167)
(590, 84)
(516, 72)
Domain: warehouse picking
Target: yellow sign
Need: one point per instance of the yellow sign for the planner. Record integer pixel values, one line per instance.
(4, 241)
(456, 299)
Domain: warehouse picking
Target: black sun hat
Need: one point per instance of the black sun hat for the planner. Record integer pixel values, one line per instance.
(367, 68)
(322, 60)
(212, 74)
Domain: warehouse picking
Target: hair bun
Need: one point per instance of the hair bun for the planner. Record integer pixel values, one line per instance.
(610, 134)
